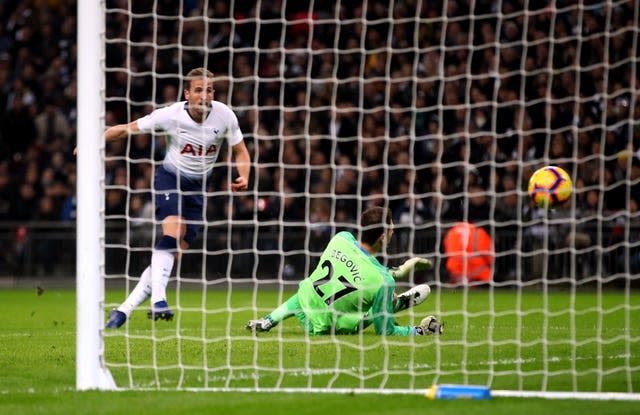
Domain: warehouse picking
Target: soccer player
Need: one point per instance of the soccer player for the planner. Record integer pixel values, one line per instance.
(350, 290)
(196, 129)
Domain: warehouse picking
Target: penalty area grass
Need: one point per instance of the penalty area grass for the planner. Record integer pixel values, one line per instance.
(37, 357)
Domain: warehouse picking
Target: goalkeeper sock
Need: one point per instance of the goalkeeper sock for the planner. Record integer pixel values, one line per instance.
(140, 293)
(161, 266)
(285, 310)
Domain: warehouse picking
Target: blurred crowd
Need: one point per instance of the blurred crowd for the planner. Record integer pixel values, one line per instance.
(37, 109)
(443, 118)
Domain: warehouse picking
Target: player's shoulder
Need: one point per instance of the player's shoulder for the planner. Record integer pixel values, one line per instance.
(345, 235)
(220, 106)
(174, 108)
(177, 106)
(222, 109)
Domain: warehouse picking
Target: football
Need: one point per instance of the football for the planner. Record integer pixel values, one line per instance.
(550, 186)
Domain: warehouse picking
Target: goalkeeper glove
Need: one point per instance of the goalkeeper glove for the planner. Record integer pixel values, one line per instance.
(411, 264)
(429, 325)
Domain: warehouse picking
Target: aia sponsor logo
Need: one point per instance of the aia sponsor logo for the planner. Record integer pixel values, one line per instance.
(198, 150)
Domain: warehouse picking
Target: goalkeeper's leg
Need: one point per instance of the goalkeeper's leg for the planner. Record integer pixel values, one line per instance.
(287, 309)
(140, 293)
(411, 297)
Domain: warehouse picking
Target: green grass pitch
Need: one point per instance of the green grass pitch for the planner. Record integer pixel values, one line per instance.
(37, 355)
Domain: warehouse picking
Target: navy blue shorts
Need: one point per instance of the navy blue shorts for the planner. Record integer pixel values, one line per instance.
(179, 198)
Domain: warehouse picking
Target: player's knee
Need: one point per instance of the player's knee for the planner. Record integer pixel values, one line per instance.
(174, 226)
(190, 235)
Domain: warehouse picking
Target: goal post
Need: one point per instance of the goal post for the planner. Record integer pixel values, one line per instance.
(91, 372)
(440, 111)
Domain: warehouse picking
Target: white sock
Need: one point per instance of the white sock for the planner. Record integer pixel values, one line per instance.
(140, 293)
(161, 266)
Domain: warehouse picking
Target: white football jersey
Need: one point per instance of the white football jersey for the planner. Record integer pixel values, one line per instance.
(193, 148)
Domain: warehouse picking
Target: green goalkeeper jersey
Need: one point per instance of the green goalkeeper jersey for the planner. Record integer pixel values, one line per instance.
(348, 290)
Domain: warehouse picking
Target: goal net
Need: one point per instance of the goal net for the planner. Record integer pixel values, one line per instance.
(439, 110)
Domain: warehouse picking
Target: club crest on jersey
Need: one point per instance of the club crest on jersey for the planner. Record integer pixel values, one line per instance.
(198, 150)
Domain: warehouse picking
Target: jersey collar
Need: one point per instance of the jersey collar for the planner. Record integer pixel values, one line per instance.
(186, 108)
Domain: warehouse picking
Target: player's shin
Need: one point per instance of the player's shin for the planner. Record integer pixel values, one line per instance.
(162, 261)
(140, 293)
(285, 310)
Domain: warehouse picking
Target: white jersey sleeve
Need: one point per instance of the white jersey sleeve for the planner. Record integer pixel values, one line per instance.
(156, 120)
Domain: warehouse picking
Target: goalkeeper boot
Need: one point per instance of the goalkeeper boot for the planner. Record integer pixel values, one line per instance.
(160, 311)
(261, 324)
(412, 297)
(116, 319)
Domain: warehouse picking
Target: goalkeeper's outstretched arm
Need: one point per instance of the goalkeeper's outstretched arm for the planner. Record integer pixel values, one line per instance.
(409, 266)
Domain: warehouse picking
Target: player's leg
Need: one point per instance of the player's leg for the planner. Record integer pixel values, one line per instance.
(183, 228)
(175, 205)
(351, 323)
(140, 293)
(411, 297)
(167, 199)
(162, 261)
(287, 309)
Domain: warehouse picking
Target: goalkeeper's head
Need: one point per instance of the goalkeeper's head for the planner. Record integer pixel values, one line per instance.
(376, 228)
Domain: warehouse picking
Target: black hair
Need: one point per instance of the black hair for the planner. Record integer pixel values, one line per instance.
(374, 222)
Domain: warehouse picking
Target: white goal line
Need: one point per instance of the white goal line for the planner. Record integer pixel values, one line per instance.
(596, 396)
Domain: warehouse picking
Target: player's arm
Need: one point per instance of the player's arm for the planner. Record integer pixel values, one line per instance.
(116, 132)
(243, 164)
(121, 131)
(411, 265)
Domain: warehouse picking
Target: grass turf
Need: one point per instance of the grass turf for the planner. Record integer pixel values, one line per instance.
(38, 362)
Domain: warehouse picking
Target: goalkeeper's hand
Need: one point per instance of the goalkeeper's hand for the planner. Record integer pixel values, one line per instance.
(411, 264)
(429, 325)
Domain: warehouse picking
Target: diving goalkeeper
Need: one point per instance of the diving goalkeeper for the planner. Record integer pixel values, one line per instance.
(349, 290)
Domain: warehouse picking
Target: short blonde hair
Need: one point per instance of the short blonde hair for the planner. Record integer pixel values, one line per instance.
(196, 73)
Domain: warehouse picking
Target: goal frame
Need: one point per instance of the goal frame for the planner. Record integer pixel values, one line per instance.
(91, 373)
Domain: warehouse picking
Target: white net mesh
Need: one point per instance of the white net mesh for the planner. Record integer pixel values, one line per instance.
(438, 110)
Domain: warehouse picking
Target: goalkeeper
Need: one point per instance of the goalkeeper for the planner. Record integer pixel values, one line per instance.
(350, 290)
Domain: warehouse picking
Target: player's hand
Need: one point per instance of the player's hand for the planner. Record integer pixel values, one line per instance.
(429, 325)
(411, 264)
(241, 183)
